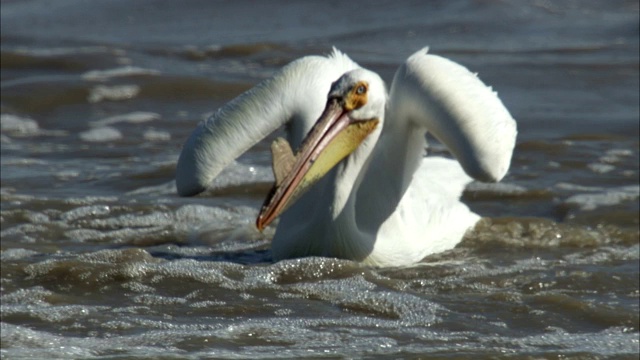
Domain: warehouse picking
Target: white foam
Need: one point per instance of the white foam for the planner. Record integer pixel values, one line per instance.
(237, 174)
(601, 168)
(16, 254)
(609, 197)
(100, 222)
(156, 135)
(101, 134)
(189, 215)
(614, 155)
(17, 125)
(67, 174)
(496, 188)
(36, 295)
(136, 117)
(102, 75)
(112, 93)
(61, 51)
(86, 211)
(168, 188)
(575, 187)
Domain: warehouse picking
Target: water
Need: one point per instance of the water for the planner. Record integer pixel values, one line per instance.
(101, 259)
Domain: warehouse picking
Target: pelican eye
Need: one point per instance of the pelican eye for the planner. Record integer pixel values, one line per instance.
(357, 96)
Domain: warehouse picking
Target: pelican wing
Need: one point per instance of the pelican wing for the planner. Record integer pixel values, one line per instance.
(459, 110)
(296, 93)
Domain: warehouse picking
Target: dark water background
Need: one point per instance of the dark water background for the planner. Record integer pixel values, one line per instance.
(101, 259)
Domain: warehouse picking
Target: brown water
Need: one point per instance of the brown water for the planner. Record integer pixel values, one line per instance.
(101, 258)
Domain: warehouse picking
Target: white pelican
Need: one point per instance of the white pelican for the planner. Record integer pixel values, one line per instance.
(385, 203)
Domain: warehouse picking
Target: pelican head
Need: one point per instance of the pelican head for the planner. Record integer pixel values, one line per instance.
(361, 93)
(355, 107)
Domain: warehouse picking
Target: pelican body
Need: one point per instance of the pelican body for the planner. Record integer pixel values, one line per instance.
(359, 185)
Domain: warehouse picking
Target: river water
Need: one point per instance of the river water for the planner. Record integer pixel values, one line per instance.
(101, 258)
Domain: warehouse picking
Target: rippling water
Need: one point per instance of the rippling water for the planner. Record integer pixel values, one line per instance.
(101, 259)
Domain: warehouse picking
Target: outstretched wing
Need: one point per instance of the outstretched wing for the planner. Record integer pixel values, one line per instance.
(459, 110)
(297, 93)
